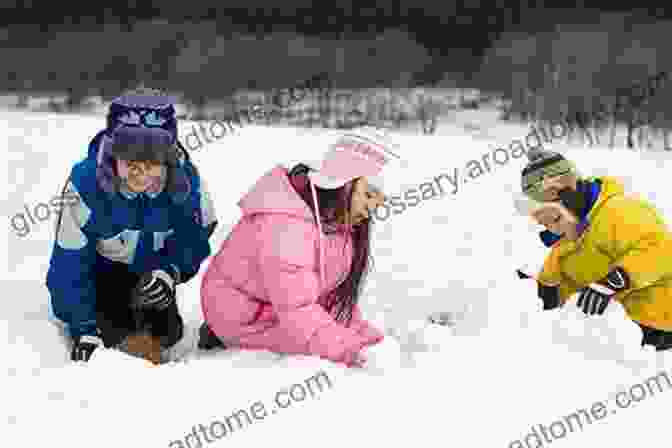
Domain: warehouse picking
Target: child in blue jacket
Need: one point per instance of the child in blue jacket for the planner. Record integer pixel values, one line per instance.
(139, 227)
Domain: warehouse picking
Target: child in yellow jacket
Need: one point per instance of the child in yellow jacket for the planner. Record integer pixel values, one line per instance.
(605, 245)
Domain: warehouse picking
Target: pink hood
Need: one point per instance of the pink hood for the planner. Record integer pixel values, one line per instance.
(273, 193)
(262, 289)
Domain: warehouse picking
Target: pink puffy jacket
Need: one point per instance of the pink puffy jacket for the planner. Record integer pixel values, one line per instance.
(261, 290)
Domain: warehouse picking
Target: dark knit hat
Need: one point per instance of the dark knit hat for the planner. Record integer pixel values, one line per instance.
(144, 125)
(140, 107)
(542, 164)
(143, 107)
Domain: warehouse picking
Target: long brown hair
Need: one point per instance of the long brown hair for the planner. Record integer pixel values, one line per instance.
(334, 204)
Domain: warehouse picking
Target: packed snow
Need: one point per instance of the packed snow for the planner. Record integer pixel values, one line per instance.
(500, 368)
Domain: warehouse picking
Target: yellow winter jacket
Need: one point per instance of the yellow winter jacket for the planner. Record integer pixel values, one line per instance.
(627, 232)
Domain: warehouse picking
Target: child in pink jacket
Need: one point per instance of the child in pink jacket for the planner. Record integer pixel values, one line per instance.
(286, 282)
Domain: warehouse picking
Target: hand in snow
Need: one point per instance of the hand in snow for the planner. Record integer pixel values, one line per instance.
(359, 359)
(371, 334)
(594, 298)
(154, 291)
(354, 358)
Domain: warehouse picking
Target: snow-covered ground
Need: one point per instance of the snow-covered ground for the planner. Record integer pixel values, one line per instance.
(504, 366)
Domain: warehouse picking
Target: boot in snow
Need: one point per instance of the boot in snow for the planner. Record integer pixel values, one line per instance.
(83, 347)
(207, 340)
(661, 340)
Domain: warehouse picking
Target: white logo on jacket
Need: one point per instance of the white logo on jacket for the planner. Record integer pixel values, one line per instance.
(121, 247)
(160, 239)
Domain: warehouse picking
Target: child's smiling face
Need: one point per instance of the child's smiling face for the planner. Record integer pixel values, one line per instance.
(140, 176)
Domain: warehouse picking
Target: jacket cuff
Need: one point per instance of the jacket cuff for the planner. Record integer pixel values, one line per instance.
(618, 280)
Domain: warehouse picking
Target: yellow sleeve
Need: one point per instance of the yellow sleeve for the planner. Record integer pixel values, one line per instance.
(551, 275)
(566, 291)
(634, 234)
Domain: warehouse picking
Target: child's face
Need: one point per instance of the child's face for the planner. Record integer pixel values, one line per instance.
(140, 176)
(556, 218)
(365, 198)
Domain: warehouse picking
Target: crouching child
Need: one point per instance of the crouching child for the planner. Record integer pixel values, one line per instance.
(605, 246)
(139, 228)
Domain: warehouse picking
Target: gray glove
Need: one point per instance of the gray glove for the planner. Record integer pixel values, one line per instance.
(154, 291)
(594, 298)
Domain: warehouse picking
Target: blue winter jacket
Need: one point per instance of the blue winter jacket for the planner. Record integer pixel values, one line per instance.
(141, 231)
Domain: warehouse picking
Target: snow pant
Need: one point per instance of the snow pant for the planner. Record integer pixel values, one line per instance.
(661, 340)
(115, 318)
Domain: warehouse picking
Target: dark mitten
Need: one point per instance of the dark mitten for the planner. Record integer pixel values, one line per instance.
(550, 295)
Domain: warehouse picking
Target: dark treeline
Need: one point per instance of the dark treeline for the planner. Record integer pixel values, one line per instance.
(550, 63)
(592, 73)
(205, 60)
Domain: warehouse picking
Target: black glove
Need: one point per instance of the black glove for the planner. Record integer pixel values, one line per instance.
(594, 298)
(550, 295)
(154, 291)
